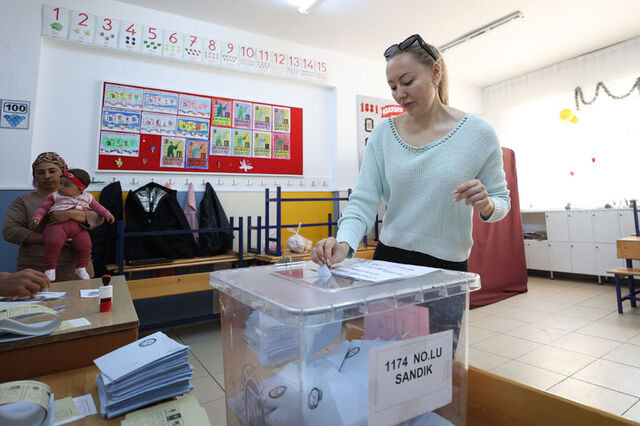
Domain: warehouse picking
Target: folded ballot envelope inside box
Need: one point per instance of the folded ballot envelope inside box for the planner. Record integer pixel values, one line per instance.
(366, 342)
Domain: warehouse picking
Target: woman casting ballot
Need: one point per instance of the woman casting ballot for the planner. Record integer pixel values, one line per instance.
(432, 166)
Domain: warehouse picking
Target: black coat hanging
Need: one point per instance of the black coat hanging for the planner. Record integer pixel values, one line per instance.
(103, 237)
(212, 215)
(154, 207)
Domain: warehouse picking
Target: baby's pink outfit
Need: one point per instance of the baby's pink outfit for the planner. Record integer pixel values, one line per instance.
(55, 235)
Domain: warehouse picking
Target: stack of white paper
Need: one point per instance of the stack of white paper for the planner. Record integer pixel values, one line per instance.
(148, 370)
(274, 342)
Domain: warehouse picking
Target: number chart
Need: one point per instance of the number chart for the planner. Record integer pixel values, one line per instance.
(158, 130)
(80, 26)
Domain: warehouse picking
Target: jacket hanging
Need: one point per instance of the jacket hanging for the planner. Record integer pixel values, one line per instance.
(212, 215)
(103, 237)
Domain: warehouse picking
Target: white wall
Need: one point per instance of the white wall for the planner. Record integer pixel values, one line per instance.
(63, 82)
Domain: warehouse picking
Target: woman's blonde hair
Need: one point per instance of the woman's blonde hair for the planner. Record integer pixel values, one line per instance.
(427, 60)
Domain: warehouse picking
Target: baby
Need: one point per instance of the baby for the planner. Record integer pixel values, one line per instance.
(70, 196)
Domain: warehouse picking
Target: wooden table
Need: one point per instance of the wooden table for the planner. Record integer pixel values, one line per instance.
(74, 347)
(78, 382)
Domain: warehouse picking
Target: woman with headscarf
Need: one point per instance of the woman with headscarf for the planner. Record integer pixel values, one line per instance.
(47, 169)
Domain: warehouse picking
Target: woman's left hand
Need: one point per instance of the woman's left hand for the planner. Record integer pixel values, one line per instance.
(63, 216)
(474, 193)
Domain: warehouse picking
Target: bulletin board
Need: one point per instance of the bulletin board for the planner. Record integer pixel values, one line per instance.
(144, 129)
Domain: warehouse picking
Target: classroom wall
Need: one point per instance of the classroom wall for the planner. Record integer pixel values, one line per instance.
(63, 82)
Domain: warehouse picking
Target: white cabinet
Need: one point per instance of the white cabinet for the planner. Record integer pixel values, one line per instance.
(583, 258)
(627, 224)
(605, 226)
(607, 258)
(537, 254)
(559, 256)
(557, 226)
(580, 226)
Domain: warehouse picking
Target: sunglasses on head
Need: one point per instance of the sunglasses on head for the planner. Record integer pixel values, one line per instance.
(407, 43)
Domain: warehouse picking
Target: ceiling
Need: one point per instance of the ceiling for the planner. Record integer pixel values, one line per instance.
(551, 31)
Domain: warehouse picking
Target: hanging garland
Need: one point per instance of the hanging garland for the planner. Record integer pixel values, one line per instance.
(579, 96)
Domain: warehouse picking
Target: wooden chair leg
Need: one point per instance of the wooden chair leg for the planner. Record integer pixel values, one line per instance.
(618, 295)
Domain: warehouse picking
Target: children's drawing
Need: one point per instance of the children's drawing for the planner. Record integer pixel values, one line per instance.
(121, 119)
(262, 144)
(195, 106)
(121, 144)
(172, 153)
(241, 143)
(261, 117)
(281, 119)
(197, 154)
(220, 141)
(281, 146)
(122, 97)
(196, 128)
(158, 101)
(222, 112)
(242, 112)
(159, 124)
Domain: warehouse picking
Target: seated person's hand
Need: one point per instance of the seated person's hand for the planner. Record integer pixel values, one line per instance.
(329, 251)
(22, 283)
(111, 219)
(34, 223)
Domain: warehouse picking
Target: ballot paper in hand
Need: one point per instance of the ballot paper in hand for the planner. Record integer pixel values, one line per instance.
(153, 368)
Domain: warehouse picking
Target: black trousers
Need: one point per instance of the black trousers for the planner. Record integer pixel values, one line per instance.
(444, 314)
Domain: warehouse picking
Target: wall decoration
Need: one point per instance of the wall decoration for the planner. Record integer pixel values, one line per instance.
(242, 112)
(262, 144)
(196, 128)
(220, 141)
(567, 115)
(14, 114)
(125, 144)
(121, 120)
(159, 124)
(241, 143)
(173, 152)
(128, 97)
(196, 106)
(197, 154)
(281, 145)
(157, 101)
(149, 39)
(261, 117)
(579, 95)
(281, 119)
(372, 111)
(151, 129)
(222, 112)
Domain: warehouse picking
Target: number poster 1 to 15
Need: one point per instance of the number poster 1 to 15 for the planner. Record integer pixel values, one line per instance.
(149, 129)
(152, 40)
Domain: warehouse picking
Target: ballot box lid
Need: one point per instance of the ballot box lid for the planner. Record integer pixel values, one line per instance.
(299, 294)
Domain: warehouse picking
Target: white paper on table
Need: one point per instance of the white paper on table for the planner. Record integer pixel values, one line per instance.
(79, 322)
(18, 302)
(378, 271)
(85, 407)
(90, 292)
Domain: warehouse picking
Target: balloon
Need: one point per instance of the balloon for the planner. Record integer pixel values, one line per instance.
(566, 114)
(574, 119)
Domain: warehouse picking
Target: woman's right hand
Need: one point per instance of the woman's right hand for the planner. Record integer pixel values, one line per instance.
(329, 251)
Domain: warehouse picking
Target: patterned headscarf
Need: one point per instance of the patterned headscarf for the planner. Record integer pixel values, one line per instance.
(47, 157)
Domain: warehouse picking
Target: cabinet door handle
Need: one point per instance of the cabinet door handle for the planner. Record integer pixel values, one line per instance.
(571, 245)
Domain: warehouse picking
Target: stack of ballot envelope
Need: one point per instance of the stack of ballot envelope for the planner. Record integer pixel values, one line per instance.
(148, 370)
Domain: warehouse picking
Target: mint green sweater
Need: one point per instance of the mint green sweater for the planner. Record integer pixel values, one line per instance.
(417, 184)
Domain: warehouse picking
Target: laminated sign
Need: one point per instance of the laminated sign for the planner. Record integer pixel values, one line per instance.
(410, 378)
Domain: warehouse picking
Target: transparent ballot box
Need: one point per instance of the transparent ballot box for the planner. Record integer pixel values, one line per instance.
(305, 346)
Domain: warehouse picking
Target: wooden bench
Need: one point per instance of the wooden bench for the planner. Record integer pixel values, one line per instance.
(229, 257)
(173, 285)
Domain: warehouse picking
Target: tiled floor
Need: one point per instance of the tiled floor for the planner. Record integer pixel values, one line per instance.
(565, 337)
(562, 336)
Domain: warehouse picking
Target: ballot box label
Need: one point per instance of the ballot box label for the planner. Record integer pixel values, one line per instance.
(409, 378)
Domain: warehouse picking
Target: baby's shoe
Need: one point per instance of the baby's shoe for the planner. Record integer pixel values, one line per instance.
(82, 273)
(51, 274)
